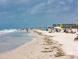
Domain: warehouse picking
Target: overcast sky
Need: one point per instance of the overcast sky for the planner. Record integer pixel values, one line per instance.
(18, 13)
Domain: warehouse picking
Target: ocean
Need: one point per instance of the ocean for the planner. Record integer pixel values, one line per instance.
(11, 39)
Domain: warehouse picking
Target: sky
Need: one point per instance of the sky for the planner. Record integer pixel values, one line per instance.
(25, 13)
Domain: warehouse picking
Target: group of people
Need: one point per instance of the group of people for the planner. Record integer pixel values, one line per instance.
(58, 29)
(65, 30)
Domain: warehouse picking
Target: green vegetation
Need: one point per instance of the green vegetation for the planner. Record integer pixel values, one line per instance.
(66, 25)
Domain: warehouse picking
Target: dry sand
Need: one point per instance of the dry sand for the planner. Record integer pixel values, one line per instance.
(44, 46)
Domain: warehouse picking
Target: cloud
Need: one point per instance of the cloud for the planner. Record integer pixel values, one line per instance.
(47, 9)
(51, 6)
(37, 7)
(70, 1)
(4, 2)
(50, 1)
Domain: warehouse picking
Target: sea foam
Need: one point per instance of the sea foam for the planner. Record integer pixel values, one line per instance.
(7, 31)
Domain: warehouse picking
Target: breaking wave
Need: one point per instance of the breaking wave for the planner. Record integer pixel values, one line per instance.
(7, 31)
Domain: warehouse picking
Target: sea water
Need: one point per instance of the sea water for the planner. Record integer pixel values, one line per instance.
(11, 39)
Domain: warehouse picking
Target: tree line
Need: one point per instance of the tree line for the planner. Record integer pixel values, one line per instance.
(66, 25)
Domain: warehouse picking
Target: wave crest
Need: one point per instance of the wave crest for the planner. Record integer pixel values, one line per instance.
(7, 31)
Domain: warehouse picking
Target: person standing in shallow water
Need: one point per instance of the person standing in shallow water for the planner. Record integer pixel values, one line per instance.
(27, 30)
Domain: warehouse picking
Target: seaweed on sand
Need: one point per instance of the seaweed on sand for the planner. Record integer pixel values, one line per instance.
(54, 47)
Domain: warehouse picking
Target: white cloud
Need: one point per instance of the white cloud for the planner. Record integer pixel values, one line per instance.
(14, 1)
(3, 0)
(62, 2)
(50, 1)
(22, 1)
(36, 8)
(52, 6)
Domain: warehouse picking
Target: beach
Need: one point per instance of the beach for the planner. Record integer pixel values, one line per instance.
(45, 45)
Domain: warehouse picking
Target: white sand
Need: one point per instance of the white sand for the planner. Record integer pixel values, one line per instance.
(32, 50)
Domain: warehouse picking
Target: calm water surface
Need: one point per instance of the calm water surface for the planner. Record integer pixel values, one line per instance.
(13, 40)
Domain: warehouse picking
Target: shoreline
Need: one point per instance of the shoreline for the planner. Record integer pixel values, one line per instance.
(32, 49)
